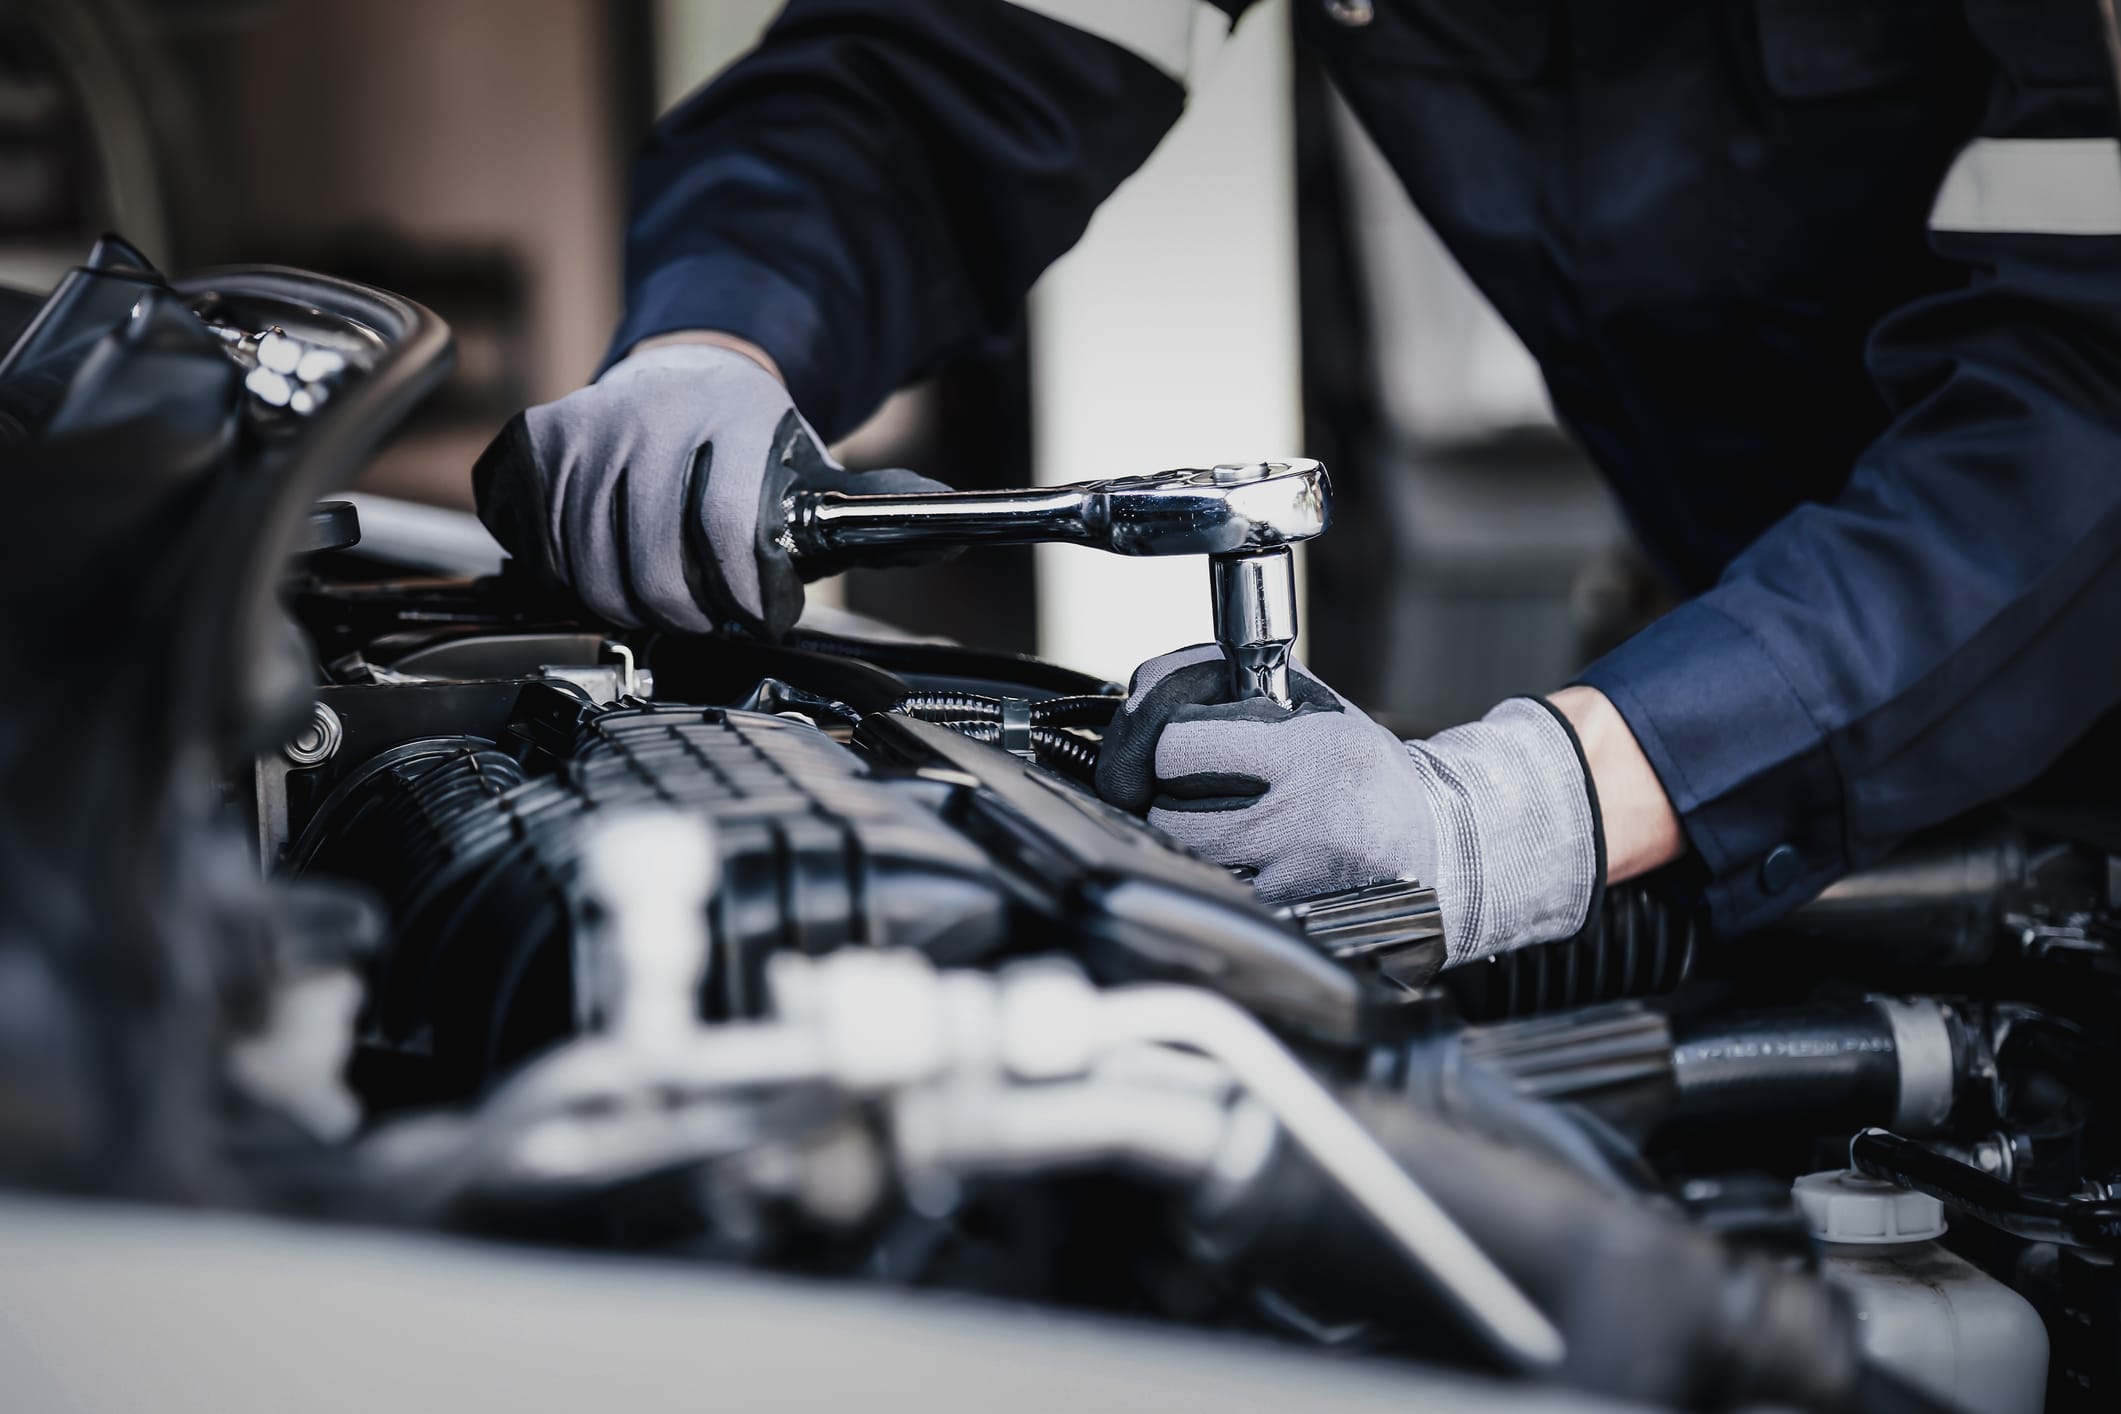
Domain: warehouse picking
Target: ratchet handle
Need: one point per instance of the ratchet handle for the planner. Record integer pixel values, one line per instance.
(1222, 510)
(1242, 516)
(836, 527)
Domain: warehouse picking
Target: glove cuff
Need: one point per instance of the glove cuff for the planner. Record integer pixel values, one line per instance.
(694, 357)
(1519, 851)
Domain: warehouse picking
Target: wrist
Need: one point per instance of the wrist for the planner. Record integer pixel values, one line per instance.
(1642, 830)
(1516, 835)
(710, 338)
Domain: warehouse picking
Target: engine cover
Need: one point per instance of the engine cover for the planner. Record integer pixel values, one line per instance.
(475, 849)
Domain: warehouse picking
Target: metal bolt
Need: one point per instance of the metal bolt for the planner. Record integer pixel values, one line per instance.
(1254, 602)
(318, 740)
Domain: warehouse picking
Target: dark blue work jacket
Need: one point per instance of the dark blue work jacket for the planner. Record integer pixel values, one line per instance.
(1830, 289)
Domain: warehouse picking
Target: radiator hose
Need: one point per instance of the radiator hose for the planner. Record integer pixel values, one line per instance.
(1830, 1067)
(1827, 1066)
(1651, 1308)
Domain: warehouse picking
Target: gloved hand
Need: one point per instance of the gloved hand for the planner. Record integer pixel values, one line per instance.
(655, 493)
(1498, 815)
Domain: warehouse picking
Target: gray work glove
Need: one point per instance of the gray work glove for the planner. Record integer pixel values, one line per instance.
(1498, 816)
(654, 494)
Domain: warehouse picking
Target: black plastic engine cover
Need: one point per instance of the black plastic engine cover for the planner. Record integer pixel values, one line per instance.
(1133, 906)
(476, 857)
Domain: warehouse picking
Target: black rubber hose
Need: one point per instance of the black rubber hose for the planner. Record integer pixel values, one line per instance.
(2093, 1223)
(1831, 1068)
(1564, 1132)
(1651, 1308)
(954, 707)
(1075, 711)
(1519, 1081)
(1056, 750)
(1070, 755)
(1643, 946)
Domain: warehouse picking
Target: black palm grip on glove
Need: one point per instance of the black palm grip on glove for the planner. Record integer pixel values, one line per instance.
(1233, 790)
(1198, 691)
(1126, 762)
(780, 595)
(509, 495)
(510, 498)
(656, 496)
(800, 464)
(807, 468)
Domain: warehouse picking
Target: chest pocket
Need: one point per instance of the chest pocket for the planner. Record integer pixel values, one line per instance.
(1834, 48)
(1504, 40)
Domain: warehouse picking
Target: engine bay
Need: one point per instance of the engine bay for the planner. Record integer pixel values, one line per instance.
(343, 889)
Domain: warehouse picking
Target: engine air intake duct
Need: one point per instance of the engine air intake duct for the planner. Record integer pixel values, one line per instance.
(476, 857)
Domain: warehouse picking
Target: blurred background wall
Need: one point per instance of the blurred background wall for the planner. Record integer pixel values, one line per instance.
(1262, 288)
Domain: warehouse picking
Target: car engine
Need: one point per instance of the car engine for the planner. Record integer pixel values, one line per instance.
(352, 878)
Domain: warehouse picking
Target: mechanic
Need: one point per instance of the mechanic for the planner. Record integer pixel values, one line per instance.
(1829, 289)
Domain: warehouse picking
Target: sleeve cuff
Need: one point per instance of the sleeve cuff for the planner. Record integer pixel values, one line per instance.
(1594, 910)
(1746, 767)
(734, 293)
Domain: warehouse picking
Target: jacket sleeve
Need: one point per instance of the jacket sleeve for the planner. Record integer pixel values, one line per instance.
(873, 190)
(1937, 635)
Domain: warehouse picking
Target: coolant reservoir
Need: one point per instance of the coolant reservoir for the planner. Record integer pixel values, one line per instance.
(1926, 1314)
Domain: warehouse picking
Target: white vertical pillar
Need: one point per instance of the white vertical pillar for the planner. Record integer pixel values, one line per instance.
(697, 39)
(1169, 338)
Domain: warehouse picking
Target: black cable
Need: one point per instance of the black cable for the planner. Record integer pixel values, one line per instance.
(2093, 1223)
(1068, 754)
(1075, 711)
(1056, 750)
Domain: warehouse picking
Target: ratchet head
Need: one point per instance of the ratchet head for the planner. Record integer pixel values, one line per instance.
(1221, 510)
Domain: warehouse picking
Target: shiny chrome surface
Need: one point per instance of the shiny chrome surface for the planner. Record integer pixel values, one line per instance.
(1212, 511)
(1255, 620)
(1243, 516)
(1397, 928)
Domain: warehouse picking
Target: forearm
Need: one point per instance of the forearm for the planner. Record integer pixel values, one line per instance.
(1641, 827)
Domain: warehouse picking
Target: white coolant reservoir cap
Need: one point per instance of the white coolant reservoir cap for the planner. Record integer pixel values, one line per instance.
(1845, 1206)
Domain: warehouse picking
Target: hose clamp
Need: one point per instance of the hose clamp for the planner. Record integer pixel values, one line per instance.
(1016, 728)
(1922, 1043)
